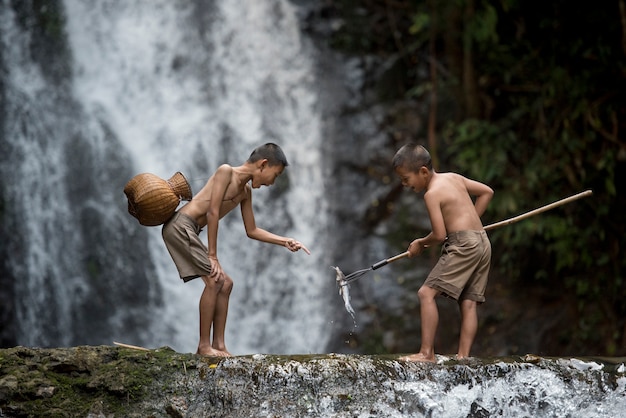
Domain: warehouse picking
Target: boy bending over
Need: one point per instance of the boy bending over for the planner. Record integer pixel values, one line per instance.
(227, 188)
(463, 268)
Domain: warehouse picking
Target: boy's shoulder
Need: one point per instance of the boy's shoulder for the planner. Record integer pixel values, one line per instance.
(452, 175)
(446, 186)
(446, 180)
(224, 167)
(224, 171)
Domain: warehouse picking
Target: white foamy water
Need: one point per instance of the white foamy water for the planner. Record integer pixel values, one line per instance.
(366, 386)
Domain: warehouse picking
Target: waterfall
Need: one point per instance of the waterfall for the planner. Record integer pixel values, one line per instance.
(162, 86)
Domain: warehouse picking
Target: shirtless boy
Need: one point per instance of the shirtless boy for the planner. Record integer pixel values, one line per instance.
(227, 188)
(462, 270)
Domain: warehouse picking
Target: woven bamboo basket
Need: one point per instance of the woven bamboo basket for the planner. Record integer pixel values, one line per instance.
(153, 200)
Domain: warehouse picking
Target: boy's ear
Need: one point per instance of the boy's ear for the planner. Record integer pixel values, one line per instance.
(261, 164)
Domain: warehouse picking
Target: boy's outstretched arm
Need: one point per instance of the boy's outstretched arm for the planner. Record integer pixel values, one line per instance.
(481, 191)
(260, 234)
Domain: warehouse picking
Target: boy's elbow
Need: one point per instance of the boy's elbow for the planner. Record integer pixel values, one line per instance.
(487, 194)
(213, 213)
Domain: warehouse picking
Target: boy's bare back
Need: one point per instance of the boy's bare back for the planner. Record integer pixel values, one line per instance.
(449, 202)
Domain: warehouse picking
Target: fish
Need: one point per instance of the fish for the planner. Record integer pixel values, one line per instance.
(344, 290)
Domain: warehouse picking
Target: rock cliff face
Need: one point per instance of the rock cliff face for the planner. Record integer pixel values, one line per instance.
(109, 381)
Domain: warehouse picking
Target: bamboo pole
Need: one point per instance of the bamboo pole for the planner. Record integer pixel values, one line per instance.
(502, 223)
(539, 210)
(133, 347)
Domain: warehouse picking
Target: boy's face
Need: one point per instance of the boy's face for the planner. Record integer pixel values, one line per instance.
(266, 174)
(416, 181)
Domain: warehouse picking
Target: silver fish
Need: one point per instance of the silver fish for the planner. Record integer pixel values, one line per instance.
(343, 290)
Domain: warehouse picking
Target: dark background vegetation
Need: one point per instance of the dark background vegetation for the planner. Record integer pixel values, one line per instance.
(527, 97)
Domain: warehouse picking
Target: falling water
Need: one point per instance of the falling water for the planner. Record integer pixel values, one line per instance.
(160, 86)
(189, 86)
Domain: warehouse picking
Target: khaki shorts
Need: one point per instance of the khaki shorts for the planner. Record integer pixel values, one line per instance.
(463, 268)
(190, 255)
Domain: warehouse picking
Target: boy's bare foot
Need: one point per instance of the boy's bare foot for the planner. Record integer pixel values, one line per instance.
(224, 351)
(211, 352)
(419, 357)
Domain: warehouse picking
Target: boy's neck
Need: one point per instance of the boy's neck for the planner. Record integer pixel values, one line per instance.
(429, 179)
(245, 171)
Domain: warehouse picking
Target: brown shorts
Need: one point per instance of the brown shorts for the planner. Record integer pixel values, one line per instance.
(190, 255)
(463, 268)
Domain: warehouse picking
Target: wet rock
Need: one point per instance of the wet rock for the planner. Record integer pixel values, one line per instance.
(109, 382)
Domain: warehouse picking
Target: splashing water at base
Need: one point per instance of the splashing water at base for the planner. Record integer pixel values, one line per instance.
(364, 386)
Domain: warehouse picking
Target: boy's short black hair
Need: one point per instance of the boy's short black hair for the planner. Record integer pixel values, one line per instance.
(270, 151)
(412, 157)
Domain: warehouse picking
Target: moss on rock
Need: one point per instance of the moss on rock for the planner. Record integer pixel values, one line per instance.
(103, 380)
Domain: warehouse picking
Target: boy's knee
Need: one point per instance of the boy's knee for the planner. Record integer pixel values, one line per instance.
(467, 304)
(228, 284)
(426, 293)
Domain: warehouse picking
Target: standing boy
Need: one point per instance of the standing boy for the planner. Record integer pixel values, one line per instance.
(462, 270)
(227, 188)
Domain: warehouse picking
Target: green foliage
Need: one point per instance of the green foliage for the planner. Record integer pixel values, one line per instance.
(482, 28)
(552, 132)
(421, 21)
(530, 100)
